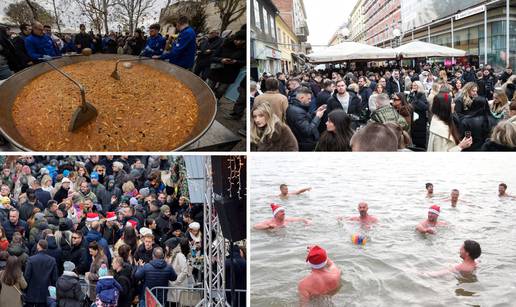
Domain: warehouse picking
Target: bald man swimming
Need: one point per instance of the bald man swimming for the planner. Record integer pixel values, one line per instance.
(363, 216)
(279, 220)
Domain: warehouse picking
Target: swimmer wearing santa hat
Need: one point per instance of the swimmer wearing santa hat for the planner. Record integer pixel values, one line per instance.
(323, 280)
(279, 220)
(428, 225)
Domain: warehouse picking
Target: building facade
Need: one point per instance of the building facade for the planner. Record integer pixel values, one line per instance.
(357, 23)
(466, 29)
(288, 44)
(294, 14)
(265, 53)
(381, 18)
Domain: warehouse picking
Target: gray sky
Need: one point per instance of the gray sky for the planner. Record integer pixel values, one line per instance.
(324, 17)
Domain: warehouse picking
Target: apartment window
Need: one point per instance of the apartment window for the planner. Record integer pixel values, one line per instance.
(265, 22)
(257, 21)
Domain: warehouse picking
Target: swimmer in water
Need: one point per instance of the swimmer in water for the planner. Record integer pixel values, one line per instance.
(428, 225)
(284, 193)
(363, 216)
(469, 252)
(429, 190)
(279, 220)
(502, 191)
(324, 278)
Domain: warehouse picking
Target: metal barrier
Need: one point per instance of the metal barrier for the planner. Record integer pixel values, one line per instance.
(192, 297)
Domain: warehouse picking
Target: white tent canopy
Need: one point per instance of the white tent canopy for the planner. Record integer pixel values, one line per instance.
(418, 49)
(348, 51)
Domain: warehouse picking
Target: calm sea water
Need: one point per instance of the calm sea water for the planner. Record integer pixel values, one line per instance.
(384, 272)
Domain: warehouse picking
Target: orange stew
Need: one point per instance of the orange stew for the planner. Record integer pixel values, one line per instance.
(146, 110)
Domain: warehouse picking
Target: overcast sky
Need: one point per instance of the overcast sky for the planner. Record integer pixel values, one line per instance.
(324, 17)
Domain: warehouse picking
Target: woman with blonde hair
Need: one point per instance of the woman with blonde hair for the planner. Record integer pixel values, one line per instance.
(417, 99)
(503, 137)
(500, 106)
(464, 102)
(268, 133)
(46, 184)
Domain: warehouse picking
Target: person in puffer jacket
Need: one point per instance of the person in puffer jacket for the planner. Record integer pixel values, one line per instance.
(108, 289)
(68, 289)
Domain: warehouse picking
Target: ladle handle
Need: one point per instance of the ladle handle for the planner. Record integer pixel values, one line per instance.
(131, 60)
(81, 88)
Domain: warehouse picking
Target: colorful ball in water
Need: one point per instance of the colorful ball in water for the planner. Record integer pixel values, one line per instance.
(358, 239)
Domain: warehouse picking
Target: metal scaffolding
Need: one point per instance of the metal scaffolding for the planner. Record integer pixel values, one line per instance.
(214, 256)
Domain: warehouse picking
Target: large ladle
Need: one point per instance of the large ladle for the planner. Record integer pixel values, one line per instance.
(86, 112)
(115, 73)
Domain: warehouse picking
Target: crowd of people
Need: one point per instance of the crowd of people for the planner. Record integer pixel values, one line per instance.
(216, 58)
(99, 230)
(428, 108)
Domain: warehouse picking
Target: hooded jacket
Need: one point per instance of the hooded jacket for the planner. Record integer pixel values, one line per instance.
(108, 290)
(68, 290)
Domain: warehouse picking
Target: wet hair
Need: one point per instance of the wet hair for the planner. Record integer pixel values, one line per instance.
(503, 185)
(338, 140)
(472, 248)
(455, 190)
(442, 108)
(282, 186)
(428, 184)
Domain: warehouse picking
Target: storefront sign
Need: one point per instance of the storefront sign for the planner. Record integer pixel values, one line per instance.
(264, 52)
(470, 12)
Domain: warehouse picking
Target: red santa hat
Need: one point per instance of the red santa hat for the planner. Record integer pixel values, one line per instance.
(92, 217)
(317, 257)
(435, 209)
(111, 216)
(276, 209)
(132, 223)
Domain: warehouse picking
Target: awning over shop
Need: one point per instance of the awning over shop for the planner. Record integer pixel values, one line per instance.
(348, 51)
(418, 49)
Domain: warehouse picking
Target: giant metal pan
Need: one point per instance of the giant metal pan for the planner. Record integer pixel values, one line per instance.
(11, 87)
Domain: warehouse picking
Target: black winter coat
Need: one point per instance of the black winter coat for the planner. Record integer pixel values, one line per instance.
(418, 128)
(40, 272)
(68, 291)
(303, 124)
(392, 87)
(55, 252)
(43, 196)
(61, 194)
(480, 127)
(228, 72)
(212, 44)
(79, 257)
(490, 145)
(143, 254)
(124, 278)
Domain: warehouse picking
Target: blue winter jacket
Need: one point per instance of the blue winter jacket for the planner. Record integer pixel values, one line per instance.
(154, 46)
(108, 290)
(183, 49)
(39, 46)
(156, 273)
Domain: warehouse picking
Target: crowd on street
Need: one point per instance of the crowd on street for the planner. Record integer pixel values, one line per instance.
(424, 108)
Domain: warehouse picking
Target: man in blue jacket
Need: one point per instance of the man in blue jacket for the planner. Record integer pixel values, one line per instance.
(39, 45)
(184, 47)
(156, 273)
(155, 43)
(40, 272)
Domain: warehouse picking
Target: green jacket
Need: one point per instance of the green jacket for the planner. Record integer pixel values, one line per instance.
(388, 114)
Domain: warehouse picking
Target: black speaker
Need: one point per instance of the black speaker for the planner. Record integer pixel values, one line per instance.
(230, 192)
(232, 218)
